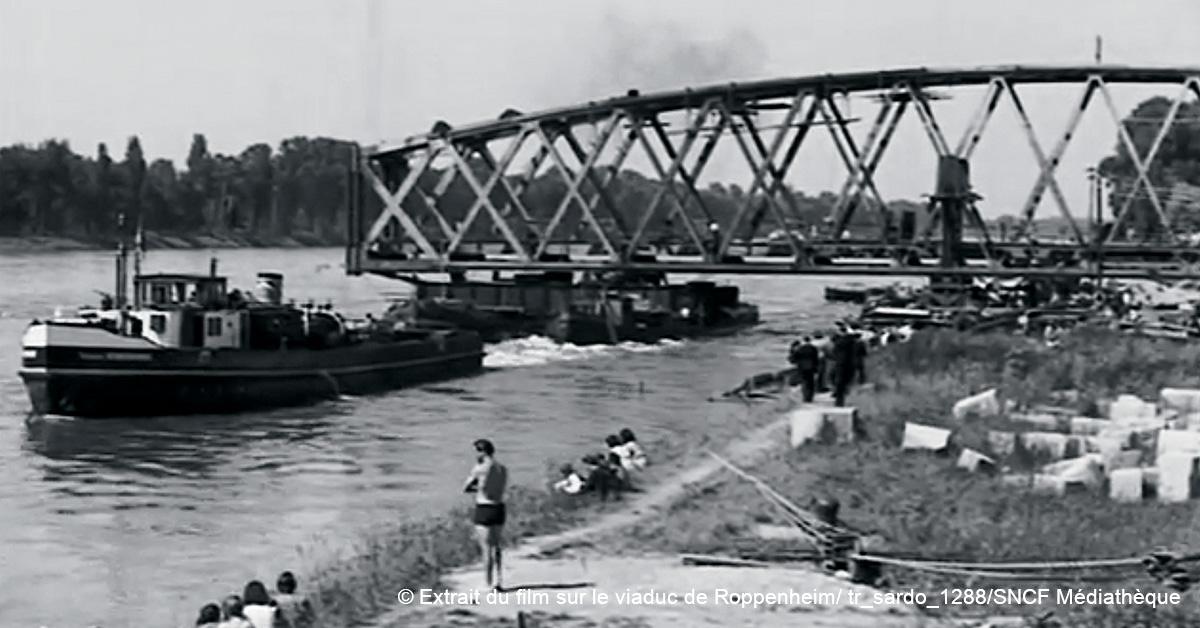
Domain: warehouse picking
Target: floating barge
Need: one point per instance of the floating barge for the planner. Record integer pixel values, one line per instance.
(187, 346)
(585, 313)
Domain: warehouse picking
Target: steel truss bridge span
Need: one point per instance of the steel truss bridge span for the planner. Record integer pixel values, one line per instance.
(414, 233)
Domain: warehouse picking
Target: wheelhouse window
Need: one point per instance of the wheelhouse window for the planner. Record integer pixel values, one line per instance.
(158, 323)
(214, 326)
(159, 295)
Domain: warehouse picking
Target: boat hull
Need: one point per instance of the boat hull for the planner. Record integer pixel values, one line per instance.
(579, 329)
(586, 314)
(121, 383)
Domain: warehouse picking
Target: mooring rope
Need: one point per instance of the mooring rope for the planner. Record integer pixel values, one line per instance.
(1161, 565)
(1048, 566)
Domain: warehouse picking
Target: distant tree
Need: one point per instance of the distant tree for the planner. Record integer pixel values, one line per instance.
(1178, 161)
(133, 170)
(197, 184)
(102, 216)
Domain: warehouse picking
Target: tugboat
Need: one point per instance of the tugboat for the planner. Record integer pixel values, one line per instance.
(599, 310)
(185, 346)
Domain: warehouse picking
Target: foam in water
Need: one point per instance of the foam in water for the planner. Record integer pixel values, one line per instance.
(536, 350)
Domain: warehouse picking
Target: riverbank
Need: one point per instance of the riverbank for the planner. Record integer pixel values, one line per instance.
(360, 585)
(913, 504)
(56, 244)
(921, 505)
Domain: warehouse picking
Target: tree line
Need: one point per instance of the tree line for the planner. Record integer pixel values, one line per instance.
(49, 190)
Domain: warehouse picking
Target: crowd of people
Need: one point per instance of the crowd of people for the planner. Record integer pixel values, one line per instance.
(824, 364)
(609, 473)
(256, 608)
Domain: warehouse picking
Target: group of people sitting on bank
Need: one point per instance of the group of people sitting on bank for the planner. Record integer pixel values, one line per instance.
(609, 473)
(821, 362)
(256, 608)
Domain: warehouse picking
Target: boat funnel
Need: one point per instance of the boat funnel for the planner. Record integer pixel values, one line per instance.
(270, 288)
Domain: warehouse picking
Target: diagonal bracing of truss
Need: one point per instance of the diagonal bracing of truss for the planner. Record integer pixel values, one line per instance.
(483, 192)
(764, 165)
(574, 183)
(689, 177)
(778, 187)
(392, 202)
(667, 176)
(1047, 164)
(572, 195)
(611, 172)
(862, 165)
(1142, 165)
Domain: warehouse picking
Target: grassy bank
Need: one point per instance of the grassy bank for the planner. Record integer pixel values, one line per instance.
(920, 504)
(362, 582)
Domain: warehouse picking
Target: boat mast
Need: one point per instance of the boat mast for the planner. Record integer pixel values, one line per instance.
(139, 247)
(120, 297)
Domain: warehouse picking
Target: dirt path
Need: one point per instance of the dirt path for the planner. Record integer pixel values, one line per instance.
(560, 577)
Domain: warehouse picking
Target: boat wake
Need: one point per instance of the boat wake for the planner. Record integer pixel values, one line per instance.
(537, 350)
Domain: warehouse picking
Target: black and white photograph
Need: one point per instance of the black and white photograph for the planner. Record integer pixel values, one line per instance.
(599, 313)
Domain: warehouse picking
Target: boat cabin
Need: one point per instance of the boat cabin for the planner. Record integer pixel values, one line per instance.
(187, 311)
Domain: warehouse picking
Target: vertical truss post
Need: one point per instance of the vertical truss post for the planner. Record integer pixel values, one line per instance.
(574, 183)
(1049, 164)
(354, 222)
(667, 176)
(938, 139)
(392, 208)
(483, 193)
(1143, 167)
(760, 171)
(572, 191)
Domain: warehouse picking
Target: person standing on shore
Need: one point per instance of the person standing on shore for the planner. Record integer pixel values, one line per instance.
(843, 365)
(488, 480)
(824, 351)
(804, 358)
(860, 357)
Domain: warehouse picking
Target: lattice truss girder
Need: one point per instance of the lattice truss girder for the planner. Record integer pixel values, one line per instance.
(414, 192)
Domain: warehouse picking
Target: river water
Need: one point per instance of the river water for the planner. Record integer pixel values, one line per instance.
(138, 522)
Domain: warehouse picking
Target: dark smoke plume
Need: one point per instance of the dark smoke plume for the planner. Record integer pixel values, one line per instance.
(651, 56)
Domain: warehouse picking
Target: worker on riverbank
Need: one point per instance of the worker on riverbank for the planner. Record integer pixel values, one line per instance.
(844, 362)
(487, 480)
(805, 358)
(860, 357)
(824, 354)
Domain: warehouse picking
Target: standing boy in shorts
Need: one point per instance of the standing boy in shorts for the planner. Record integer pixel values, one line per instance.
(488, 480)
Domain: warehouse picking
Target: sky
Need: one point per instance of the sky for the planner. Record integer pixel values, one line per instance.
(246, 71)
